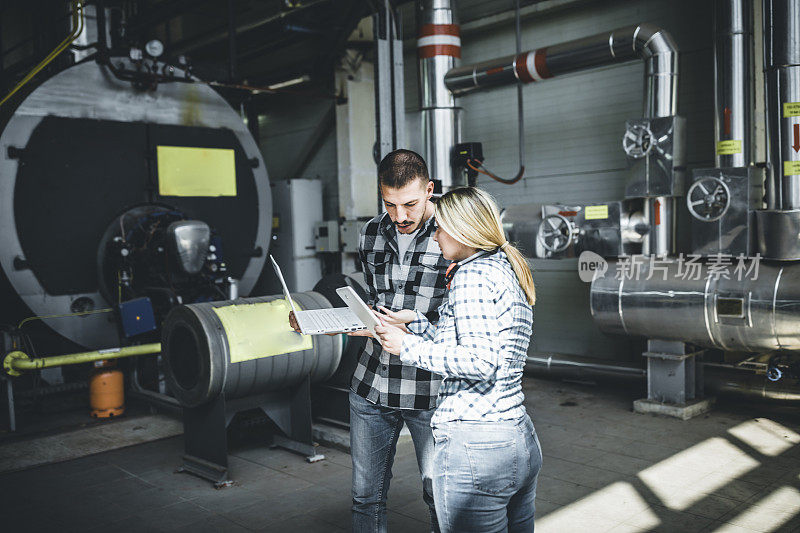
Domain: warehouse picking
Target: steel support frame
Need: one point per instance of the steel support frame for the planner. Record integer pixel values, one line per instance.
(205, 429)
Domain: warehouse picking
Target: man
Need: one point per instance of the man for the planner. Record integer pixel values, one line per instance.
(404, 269)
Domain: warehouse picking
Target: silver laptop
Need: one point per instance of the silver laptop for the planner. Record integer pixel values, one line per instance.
(319, 321)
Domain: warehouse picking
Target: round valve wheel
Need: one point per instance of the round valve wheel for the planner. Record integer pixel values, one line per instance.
(638, 141)
(708, 199)
(555, 233)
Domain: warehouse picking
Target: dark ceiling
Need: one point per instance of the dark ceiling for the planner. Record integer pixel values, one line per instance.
(274, 40)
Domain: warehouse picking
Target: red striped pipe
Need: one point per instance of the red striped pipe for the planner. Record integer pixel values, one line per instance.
(439, 40)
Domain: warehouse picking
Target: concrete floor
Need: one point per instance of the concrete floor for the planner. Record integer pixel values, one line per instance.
(605, 469)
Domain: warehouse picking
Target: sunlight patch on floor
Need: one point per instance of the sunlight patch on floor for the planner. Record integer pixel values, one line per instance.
(601, 510)
(766, 436)
(770, 512)
(686, 477)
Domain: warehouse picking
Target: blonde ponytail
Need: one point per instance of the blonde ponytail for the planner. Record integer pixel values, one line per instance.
(523, 272)
(471, 217)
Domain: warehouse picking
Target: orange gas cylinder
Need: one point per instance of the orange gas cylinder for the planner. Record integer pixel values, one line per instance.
(106, 391)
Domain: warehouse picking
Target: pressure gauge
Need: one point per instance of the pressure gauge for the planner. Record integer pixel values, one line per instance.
(154, 48)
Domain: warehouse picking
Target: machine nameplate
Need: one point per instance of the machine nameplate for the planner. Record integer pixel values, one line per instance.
(596, 212)
(791, 109)
(791, 168)
(729, 147)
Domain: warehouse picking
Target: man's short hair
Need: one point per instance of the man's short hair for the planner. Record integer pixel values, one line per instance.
(401, 167)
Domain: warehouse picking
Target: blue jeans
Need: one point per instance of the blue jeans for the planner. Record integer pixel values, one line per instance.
(374, 431)
(485, 475)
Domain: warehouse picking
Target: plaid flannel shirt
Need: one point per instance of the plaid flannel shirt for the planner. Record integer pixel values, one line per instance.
(479, 345)
(417, 283)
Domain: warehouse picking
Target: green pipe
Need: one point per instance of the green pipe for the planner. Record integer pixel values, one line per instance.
(16, 362)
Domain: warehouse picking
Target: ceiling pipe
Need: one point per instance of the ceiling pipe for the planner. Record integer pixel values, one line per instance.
(641, 41)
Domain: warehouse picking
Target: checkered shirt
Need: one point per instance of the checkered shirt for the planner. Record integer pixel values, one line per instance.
(479, 344)
(418, 283)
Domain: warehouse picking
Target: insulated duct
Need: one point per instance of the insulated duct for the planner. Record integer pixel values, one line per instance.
(782, 79)
(733, 68)
(438, 49)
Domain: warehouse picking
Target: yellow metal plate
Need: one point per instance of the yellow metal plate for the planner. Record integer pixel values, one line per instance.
(791, 109)
(188, 171)
(729, 147)
(791, 168)
(596, 212)
(260, 330)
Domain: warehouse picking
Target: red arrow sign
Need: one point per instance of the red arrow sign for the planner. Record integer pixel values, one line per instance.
(726, 113)
(796, 144)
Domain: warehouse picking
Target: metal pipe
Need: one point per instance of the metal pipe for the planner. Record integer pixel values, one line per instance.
(782, 79)
(733, 82)
(16, 362)
(719, 379)
(747, 306)
(573, 367)
(438, 50)
(641, 41)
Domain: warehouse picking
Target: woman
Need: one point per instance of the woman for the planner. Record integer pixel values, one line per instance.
(487, 456)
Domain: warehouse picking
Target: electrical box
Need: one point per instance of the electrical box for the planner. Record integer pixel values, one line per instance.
(137, 316)
(349, 233)
(326, 236)
(297, 205)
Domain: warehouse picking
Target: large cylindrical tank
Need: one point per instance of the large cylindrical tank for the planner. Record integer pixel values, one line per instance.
(243, 347)
(704, 304)
(80, 151)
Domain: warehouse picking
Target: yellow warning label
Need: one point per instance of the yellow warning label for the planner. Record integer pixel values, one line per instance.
(791, 109)
(729, 147)
(189, 171)
(260, 330)
(276, 222)
(791, 168)
(596, 212)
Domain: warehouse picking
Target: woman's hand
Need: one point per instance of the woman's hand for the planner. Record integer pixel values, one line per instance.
(396, 318)
(391, 337)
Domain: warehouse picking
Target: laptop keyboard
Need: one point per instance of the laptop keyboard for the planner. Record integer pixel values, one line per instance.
(332, 319)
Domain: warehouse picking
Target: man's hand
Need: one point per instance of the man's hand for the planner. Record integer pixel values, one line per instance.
(391, 338)
(293, 322)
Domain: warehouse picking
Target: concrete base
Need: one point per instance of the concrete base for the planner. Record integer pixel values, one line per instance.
(683, 411)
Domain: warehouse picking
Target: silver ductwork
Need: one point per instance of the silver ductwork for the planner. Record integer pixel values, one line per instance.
(733, 70)
(438, 49)
(782, 78)
(706, 304)
(641, 41)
